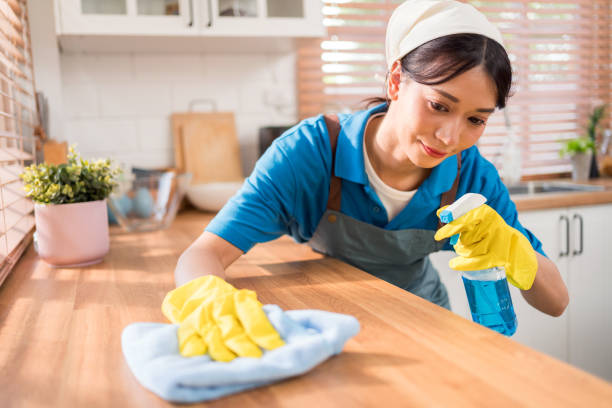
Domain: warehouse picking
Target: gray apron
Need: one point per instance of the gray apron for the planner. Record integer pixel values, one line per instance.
(399, 257)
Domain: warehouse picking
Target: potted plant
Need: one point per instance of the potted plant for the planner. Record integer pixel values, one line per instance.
(580, 151)
(70, 209)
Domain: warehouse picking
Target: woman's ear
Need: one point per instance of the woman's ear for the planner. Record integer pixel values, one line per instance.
(394, 78)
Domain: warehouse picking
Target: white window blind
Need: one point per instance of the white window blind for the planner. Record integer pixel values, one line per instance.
(17, 120)
(560, 51)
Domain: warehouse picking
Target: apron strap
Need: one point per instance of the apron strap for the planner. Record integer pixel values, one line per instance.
(449, 197)
(335, 184)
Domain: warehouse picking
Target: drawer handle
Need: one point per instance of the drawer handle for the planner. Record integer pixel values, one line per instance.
(579, 217)
(567, 225)
(210, 14)
(190, 13)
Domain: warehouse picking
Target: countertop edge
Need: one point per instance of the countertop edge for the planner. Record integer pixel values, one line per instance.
(561, 200)
(527, 202)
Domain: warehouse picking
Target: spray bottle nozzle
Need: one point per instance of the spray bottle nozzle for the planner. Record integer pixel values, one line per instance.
(460, 207)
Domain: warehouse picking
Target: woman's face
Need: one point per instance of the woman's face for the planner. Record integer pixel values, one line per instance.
(433, 122)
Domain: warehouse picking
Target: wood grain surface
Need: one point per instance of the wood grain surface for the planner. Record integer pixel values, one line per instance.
(206, 145)
(60, 335)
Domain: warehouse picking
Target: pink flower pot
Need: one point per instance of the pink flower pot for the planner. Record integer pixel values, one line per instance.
(72, 234)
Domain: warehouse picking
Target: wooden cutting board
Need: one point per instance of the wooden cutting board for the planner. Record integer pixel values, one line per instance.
(206, 145)
(55, 152)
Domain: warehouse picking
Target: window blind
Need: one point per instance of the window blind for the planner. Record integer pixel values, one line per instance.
(560, 52)
(17, 121)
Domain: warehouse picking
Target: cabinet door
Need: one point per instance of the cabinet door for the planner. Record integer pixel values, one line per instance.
(535, 329)
(289, 18)
(590, 289)
(126, 17)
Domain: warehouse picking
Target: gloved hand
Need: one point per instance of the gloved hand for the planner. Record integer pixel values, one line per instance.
(486, 241)
(214, 316)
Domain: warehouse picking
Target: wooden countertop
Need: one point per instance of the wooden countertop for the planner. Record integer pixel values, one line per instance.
(60, 335)
(566, 199)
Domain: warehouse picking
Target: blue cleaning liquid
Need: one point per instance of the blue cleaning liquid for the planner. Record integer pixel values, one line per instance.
(490, 301)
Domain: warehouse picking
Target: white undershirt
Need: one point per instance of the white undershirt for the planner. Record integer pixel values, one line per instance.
(393, 200)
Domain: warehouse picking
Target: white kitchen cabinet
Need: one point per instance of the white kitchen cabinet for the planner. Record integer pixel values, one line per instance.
(125, 17)
(590, 287)
(536, 329)
(291, 18)
(199, 18)
(578, 240)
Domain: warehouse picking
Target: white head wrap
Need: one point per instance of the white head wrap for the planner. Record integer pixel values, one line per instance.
(416, 22)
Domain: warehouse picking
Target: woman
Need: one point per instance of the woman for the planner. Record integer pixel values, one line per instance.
(365, 187)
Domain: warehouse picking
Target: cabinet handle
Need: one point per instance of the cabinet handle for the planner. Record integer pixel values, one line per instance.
(190, 13)
(567, 226)
(579, 217)
(209, 13)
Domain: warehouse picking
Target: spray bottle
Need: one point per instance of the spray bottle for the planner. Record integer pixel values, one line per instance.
(487, 289)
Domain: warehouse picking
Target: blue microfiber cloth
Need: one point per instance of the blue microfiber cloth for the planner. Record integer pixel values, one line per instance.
(311, 337)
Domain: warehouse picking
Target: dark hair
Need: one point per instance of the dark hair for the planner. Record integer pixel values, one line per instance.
(444, 58)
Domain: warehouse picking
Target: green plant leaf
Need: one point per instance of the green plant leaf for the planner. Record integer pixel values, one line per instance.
(73, 182)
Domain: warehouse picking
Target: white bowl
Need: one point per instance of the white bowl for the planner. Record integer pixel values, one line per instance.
(212, 196)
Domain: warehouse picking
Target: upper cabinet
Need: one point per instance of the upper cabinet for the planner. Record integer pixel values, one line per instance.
(199, 18)
(293, 18)
(125, 17)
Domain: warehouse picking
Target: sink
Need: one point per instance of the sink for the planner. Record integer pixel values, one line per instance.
(542, 187)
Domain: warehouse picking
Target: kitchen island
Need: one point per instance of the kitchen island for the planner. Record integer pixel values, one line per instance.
(60, 333)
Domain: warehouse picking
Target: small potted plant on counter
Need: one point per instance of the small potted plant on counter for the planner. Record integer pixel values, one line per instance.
(580, 151)
(70, 209)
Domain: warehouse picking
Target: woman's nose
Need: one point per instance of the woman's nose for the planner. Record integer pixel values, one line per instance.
(449, 132)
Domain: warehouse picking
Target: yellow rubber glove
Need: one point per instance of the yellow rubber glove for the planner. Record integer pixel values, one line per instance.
(486, 241)
(215, 317)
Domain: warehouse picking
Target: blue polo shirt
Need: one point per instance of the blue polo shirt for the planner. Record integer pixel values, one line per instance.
(288, 189)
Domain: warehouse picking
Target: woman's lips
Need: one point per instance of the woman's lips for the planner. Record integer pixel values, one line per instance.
(432, 152)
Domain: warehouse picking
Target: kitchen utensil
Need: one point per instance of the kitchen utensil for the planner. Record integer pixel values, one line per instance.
(606, 166)
(606, 141)
(268, 134)
(212, 196)
(150, 201)
(206, 146)
(55, 152)
(43, 111)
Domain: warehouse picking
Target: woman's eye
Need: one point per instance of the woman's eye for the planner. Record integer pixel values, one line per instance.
(437, 106)
(477, 122)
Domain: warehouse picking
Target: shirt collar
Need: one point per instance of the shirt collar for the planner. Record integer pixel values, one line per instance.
(442, 177)
(349, 155)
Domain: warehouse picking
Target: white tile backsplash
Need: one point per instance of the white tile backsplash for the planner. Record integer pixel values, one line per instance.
(119, 104)
(284, 69)
(154, 133)
(224, 97)
(80, 99)
(101, 67)
(135, 98)
(146, 159)
(74, 69)
(248, 125)
(236, 69)
(103, 136)
(166, 67)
